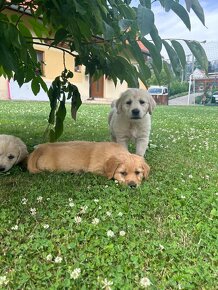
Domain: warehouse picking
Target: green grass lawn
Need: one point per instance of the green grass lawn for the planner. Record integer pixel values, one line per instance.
(66, 231)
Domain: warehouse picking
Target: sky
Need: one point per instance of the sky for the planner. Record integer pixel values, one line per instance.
(170, 25)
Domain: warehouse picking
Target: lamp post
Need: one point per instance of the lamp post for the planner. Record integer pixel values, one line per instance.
(189, 88)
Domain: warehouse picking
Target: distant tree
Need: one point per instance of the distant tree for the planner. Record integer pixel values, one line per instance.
(101, 34)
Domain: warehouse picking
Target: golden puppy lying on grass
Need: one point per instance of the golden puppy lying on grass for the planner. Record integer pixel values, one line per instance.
(104, 158)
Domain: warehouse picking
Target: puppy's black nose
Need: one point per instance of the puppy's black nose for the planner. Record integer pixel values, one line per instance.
(132, 184)
(135, 112)
(2, 168)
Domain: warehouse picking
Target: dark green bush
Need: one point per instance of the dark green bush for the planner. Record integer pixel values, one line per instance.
(177, 87)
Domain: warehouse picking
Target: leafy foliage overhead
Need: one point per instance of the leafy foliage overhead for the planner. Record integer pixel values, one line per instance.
(102, 35)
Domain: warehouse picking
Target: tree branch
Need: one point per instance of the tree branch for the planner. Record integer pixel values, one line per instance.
(56, 47)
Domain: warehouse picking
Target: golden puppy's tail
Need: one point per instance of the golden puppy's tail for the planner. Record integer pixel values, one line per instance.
(32, 161)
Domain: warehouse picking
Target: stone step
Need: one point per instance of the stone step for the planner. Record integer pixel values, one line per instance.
(105, 101)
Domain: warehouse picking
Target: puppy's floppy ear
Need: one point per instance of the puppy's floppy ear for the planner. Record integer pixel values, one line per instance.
(111, 166)
(151, 103)
(23, 153)
(146, 169)
(119, 102)
(119, 105)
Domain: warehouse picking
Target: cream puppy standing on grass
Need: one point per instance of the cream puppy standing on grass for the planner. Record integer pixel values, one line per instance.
(130, 118)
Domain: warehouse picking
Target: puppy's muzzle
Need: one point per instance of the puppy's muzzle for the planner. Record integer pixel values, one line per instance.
(132, 184)
(2, 168)
(136, 114)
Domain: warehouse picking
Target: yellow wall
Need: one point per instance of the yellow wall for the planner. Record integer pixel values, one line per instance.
(4, 94)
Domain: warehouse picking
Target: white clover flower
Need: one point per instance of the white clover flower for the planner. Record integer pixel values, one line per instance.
(190, 176)
(71, 204)
(45, 226)
(106, 186)
(216, 193)
(161, 247)
(14, 228)
(58, 259)
(33, 211)
(108, 213)
(122, 233)
(39, 198)
(145, 282)
(75, 274)
(24, 200)
(49, 257)
(110, 234)
(120, 213)
(95, 221)
(153, 146)
(83, 209)
(96, 200)
(3, 280)
(116, 181)
(78, 219)
(183, 196)
(70, 199)
(107, 284)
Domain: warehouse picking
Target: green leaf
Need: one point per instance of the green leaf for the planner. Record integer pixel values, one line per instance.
(196, 7)
(198, 52)
(155, 54)
(75, 101)
(146, 3)
(144, 70)
(180, 52)
(145, 20)
(156, 73)
(167, 5)
(188, 4)
(173, 58)
(52, 137)
(156, 38)
(60, 116)
(182, 13)
(24, 30)
(167, 70)
(124, 24)
(35, 86)
(60, 35)
(14, 18)
(43, 84)
(38, 27)
(108, 31)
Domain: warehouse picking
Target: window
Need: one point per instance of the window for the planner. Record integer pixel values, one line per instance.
(40, 60)
(77, 68)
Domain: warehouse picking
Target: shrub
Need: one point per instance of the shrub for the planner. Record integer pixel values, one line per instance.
(176, 87)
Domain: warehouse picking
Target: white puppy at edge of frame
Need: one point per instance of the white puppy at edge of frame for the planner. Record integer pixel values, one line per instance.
(130, 118)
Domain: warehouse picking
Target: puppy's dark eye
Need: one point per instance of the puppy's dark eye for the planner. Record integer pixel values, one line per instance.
(137, 172)
(129, 102)
(124, 173)
(141, 102)
(11, 156)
